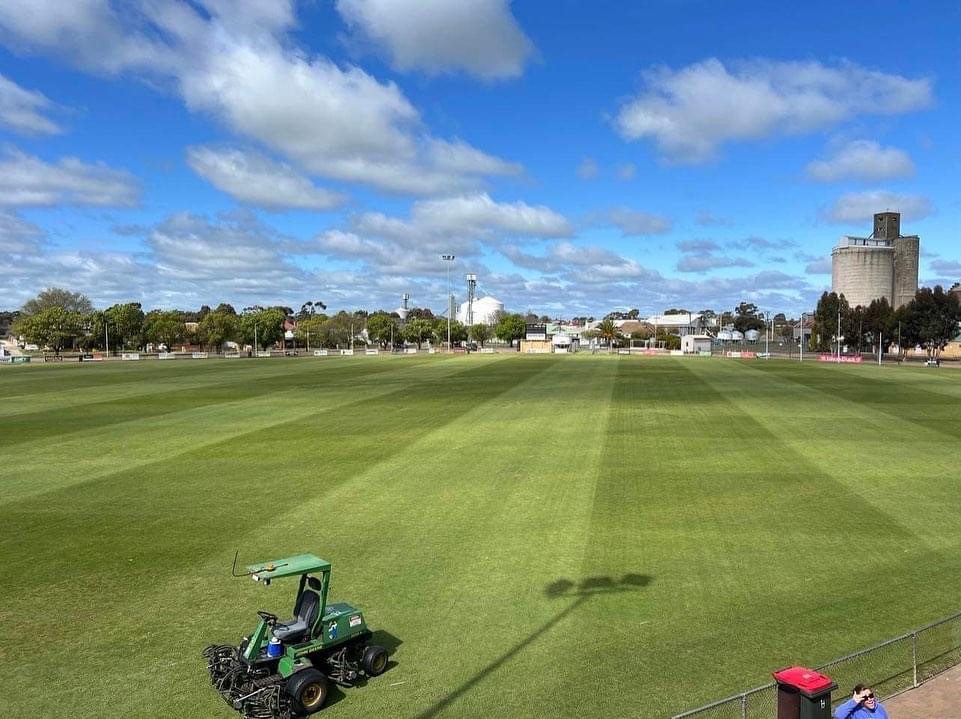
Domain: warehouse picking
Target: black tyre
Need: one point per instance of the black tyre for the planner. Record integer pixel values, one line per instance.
(308, 690)
(374, 660)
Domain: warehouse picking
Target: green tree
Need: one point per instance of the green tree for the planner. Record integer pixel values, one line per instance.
(608, 332)
(381, 327)
(481, 333)
(263, 326)
(746, 317)
(309, 308)
(420, 313)
(880, 319)
(216, 328)
(510, 328)
(644, 332)
(340, 328)
(52, 327)
(458, 332)
(164, 328)
(824, 329)
(312, 331)
(58, 297)
(125, 323)
(930, 319)
(417, 331)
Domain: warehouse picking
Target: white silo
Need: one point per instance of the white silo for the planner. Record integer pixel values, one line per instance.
(486, 310)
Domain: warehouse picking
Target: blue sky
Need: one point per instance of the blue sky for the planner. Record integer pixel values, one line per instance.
(579, 157)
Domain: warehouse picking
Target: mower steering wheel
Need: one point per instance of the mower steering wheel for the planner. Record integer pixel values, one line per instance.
(267, 616)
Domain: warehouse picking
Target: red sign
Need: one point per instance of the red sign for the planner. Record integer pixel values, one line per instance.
(854, 359)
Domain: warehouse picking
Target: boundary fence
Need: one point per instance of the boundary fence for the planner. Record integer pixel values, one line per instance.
(891, 667)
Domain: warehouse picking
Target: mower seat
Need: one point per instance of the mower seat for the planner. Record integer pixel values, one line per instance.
(305, 614)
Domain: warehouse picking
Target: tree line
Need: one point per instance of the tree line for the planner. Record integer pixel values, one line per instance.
(930, 321)
(61, 319)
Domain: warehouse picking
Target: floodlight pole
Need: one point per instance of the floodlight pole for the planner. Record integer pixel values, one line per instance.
(839, 335)
(767, 349)
(448, 259)
(802, 336)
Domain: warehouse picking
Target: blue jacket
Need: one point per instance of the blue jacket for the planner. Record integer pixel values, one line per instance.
(852, 710)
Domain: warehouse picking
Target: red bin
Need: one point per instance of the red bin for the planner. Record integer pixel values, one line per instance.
(803, 693)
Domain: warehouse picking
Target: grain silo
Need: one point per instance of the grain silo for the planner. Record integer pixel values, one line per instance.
(882, 265)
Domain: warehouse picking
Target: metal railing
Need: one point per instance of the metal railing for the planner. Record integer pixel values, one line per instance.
(891, 667)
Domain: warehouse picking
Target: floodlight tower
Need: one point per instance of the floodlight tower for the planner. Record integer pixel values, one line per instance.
(471, 290)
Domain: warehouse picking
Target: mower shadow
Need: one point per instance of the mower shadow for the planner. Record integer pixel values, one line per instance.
(389, 642)
(581, 592)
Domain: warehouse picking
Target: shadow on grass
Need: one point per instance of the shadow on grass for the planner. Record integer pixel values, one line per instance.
(581, 592)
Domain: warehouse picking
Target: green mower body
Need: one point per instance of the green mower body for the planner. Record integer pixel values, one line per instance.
(283, 668)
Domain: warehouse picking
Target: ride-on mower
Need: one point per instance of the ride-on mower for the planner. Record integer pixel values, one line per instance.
(284, 668)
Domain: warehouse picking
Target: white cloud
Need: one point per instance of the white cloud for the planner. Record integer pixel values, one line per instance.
(862, 160)
(461, 225)
(690, 112)
(252, 178)
(702, 262)
(698, 246)
(17, 235)
(860, 206)
(459, 157)
(28, 181)
(706, 218)
(634, 223)
(821, 266)
(238, 249)
(88, 32)
(239, 62)
(946, 267)
(626, 171)
(588, 169)
(478, 213)
(588, 263)
(436, 36)
(21, 109)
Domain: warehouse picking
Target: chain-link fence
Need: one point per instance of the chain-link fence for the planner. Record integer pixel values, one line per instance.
(890, 667)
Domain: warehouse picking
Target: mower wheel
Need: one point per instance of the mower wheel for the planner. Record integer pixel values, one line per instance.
(308, 691)
(374, 660)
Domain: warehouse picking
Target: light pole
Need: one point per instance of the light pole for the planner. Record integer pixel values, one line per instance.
(448, 259)
(839, 335)
(767, 346)
(802, 335)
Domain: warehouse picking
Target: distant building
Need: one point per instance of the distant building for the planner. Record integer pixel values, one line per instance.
(882, 265)
(681, 324)
(693, 344)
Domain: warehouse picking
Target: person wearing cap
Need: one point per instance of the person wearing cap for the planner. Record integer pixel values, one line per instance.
(862, 705)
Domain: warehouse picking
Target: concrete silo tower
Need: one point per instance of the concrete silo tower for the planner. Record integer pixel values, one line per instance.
(882, 265)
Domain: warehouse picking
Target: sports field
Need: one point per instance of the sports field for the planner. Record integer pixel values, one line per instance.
(535, 536)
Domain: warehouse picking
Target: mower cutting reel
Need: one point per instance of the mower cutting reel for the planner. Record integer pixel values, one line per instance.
(284, 668)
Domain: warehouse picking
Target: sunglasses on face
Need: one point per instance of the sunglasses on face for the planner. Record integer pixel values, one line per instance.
(869, 695)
